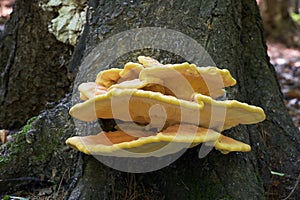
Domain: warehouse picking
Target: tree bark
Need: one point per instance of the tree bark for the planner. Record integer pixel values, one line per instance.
(231, 31)
(33, 65)
(37, 156)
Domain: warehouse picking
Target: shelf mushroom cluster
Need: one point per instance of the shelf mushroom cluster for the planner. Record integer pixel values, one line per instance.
(157, 105)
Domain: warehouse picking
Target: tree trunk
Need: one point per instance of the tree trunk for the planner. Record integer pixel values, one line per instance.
(278, 23)
(232, 34)
(33, 65)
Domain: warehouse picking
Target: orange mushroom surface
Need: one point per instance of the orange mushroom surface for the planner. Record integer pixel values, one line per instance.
(119, 143)
(90, 90)
(161, 109)
(134, 105)
(180, 80)
(108, 77)
(147, 62)
(183, 80)
(113, 76)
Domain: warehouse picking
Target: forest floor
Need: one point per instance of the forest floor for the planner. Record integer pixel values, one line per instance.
(287, 65)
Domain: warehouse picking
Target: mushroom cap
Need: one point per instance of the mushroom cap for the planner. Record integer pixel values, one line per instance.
(134, 105)
(171, 140)
(140, 106)
(226, 144)
(112, 76)
(108, 77)
(180, 80)
(183, 80)
(130, 84)
(90, 89)
(226, 114)
(143, 85)
(131, 71)
(149, 62)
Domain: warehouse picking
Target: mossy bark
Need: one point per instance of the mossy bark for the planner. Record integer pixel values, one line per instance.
(37, 155)
(232, 33)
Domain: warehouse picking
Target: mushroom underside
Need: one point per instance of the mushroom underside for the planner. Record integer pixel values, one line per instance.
(139, 143)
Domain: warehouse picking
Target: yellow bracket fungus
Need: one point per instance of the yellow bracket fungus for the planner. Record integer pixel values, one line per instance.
(191, 79)
(118, 143)
(204, 111)
(161, 105)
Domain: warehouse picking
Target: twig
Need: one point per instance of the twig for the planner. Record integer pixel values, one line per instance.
(61, 180)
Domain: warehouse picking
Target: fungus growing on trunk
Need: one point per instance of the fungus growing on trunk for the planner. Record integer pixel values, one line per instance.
(158, 105)
(135, 105)
(90, 90)
(146, 142)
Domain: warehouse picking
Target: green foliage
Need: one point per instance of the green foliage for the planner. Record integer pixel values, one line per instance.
(295, 17)
(6, 197)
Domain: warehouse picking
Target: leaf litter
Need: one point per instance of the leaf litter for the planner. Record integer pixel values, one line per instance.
(286, 62)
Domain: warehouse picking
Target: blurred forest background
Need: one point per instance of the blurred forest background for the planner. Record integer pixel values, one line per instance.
(281, 19)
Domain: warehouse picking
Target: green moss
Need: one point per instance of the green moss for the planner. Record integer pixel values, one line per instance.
(3, 159)
(28, 125)
(38, 158)
(15, 147)
(20, 138)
